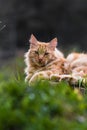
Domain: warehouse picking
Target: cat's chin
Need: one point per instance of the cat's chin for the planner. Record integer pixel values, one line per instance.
(40, 65)
(34, 62)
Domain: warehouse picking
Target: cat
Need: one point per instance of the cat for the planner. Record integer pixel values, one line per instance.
(43, 60)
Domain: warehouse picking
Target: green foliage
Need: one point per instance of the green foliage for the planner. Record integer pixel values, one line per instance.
(44, 106)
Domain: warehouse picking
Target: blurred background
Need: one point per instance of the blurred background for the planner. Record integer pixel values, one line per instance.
(46, 19)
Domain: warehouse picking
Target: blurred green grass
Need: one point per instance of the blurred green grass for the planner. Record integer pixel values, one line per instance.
(44, 106)
(14, 69)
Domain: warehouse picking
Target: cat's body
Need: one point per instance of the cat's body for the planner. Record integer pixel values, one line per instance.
(76, 63)
(76, 66)
(43, 60)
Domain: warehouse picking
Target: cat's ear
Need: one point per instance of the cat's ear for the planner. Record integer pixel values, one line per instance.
(33, 41)
(53, 44)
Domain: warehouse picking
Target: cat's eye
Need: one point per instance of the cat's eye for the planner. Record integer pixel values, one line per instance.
(36, 52)
(46, 53)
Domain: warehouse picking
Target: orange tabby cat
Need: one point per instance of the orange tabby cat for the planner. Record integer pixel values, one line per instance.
(43, 60)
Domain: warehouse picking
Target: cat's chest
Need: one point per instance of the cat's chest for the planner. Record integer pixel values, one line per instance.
(55, 66)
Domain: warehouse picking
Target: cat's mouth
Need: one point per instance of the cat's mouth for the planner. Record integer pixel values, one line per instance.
(40, 63)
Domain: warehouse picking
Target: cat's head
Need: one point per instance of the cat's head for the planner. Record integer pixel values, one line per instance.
(41, 53)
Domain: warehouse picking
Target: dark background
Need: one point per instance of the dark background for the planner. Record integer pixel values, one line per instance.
(46, 19)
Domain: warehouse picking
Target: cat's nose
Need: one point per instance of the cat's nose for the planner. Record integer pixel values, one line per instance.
(40, 59)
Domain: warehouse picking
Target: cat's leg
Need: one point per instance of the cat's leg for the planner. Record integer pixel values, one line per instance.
(60, 77)
(28, 77)
(29, 73)
(72, 79)
(40, 76)
(55, 77)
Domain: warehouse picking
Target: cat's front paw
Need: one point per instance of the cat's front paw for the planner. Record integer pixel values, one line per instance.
(37, 76)
(28, 77)
(55, 77)
(62, 77)
(72, 79)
